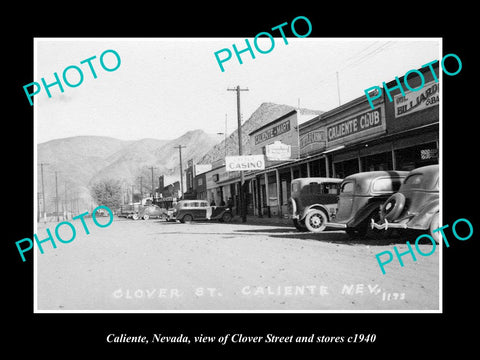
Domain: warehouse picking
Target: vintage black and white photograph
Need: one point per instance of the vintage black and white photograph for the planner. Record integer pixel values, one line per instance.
(278, 173)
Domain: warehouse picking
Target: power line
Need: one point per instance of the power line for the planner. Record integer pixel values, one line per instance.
(370, 54)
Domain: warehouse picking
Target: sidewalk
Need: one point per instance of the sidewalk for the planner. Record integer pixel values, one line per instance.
(274, 220)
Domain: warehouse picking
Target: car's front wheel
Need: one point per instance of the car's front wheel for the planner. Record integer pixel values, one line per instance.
(316, 220)
(135, 216)
(146, 217)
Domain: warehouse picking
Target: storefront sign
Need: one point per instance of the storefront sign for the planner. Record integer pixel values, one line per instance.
(245, 163)
(313, 137)
(418, 100)
(426, 154)
(358, 125)
(278, 151)
(274, 131)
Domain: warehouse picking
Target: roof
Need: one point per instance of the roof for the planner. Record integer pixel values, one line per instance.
(375, 174)
(318, 179)
(290, 113)
(429, 180)
(364, 180)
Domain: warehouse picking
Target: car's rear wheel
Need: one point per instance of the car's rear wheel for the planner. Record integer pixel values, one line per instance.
(227, 217)
(187, 218)
(135, 216)
(146, 217)
(316, 220)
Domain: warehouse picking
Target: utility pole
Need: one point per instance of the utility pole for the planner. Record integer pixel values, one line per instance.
(38, 207)
(225, 135)
(153, 189)
(141, 188)
(179, 147)
(43, 191)
(242, 204)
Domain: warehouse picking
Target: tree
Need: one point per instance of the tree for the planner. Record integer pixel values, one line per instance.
(107, 192)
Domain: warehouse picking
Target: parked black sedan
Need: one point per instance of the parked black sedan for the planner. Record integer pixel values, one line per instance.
(361, 196)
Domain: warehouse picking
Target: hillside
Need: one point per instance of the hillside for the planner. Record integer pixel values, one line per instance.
(81, 160)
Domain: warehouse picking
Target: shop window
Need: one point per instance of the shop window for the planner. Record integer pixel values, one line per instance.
(416, 156)
(314, 169)
(303, 170)
(345, 168)
(382, 161)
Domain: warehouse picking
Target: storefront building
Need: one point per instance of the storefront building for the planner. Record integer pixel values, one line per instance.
(269, 190)
(413, 122)
(221, 186)
(401, 134)
(195, 180)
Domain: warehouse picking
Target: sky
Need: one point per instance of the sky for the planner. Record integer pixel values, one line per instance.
(165, 87)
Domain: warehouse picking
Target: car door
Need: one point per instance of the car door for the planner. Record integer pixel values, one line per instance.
(198, 212)
(203, 209)
(329, 193)
(345, 200)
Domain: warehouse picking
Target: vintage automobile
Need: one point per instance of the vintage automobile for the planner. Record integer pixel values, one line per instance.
(189, 210)
(415, 205)
(313, 202)
(150, 211)
(361, 196)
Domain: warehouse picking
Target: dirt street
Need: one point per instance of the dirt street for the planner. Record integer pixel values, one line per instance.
(156, 265)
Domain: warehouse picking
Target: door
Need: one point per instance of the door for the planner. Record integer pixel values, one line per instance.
(198, 210)
(345, 201)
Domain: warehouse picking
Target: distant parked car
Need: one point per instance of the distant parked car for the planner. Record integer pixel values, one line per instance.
(360, 199)
(415, 205)
(190, 210)
(152, 211)
(313, 202)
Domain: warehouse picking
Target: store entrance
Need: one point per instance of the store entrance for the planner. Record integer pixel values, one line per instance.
(345, 168)
(382, 161)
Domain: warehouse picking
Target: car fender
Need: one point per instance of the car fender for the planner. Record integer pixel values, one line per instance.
(314, 206)
(365, 212)
(423, 219)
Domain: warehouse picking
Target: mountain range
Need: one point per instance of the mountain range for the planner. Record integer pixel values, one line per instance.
(77, 162)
